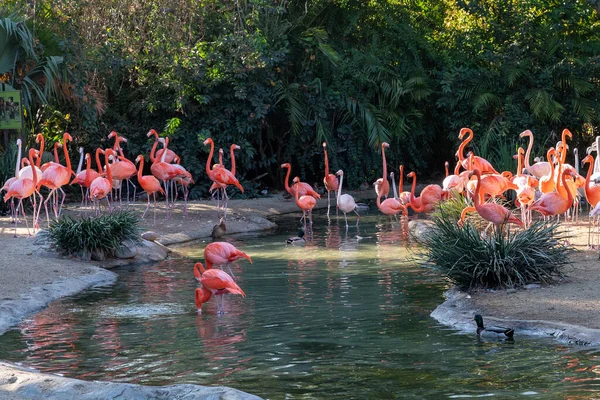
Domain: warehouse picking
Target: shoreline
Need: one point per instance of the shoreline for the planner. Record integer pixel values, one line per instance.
(30, 284)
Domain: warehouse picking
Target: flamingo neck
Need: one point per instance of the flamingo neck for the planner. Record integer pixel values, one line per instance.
(286, 181)
(519, 163)
(202, 296)
(56, 160)
(67, 159)
(231, 149)
(476, 200)
(326, 161)
(153, 150)
(394, 186)
(18, 159)
(401, 180)
(88, 167)
(412, 196)
(80, 162)
(39, 160)
(141, 168)
(384, 163)
(446, 164)
(33, 169)
(564, 182)
(164, 154)
(529, 147)
(98, 165)
(339, 193)
(210, 156)
(108, 169)
(463, 144)
(589, 173)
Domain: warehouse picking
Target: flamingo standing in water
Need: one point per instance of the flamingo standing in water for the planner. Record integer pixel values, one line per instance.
(150, 184)
(430, 196)
(223, 253)
(382, 186)
(23, 188)
(217, 283)
(221, 187)
(390, 206)
(303, 188)
(345, 202)
(330, 180)
(306, 203)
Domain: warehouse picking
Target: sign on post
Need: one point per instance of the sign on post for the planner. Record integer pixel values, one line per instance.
(11, 114)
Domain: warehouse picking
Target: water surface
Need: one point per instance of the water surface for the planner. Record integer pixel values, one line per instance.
(346, 316)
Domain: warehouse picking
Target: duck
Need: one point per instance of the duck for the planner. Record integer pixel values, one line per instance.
(219, 230)
(297, 240)
(492, 331)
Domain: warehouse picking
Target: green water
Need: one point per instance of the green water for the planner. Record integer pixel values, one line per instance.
(345, 317)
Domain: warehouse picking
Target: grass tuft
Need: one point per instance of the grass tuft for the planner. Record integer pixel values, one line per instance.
(106, 233)
(499, 260)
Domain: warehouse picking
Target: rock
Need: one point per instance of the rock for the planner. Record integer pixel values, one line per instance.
(98, 255)
(128, 250)
(150, 235)
(151, 251)
(420, 228)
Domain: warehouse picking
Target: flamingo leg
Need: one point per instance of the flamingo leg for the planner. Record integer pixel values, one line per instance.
(147, 207)
(328, 202)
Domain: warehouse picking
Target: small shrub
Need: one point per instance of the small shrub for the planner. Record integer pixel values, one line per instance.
(82, 236)
(500, 260)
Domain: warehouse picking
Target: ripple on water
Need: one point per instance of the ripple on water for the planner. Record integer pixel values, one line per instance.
(142, 310)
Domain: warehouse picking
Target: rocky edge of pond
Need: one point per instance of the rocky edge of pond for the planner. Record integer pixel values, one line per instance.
(18, 382)
(458, 310)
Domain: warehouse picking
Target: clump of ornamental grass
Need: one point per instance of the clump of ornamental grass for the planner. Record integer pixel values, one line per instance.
(501, 258)
(85, 235)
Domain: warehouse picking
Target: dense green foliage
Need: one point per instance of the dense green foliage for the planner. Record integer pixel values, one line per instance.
(498, 259)
(82, 236)
(279, 77)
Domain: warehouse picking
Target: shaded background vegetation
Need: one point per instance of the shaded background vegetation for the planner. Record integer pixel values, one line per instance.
(279, 77)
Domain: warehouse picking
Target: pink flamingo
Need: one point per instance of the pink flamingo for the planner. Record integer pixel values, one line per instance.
(492, 212)
(304, 189)
(221, 187)
(101, 187)
(150, 184)
(430, 196)
(306, 204)
(164, 172)
(217, 283)
(538, 169)
(56, 176)
(10, 181)
(220, 175)
(554, 203)
(122, 169)
(382, 186)
(170, 154)
(390, 206)
(481, 164)
(23, 188)
(330, 180)
(223, 253)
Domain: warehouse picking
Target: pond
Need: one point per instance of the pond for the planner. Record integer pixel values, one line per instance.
(346, 316)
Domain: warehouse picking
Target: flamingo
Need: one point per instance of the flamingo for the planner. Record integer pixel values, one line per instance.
(56, 176)
(330, 180)
(554, 203)
(184, 181)
(150, 184)
(216, 283)
(85, 178)
(390, 206)
(430, 196)
(170, 154)
(221, 187)
(525, 184)
(223, 253)
(304, 189)
(306, 203)
(478, 162)
(382, 186)
(101, 187)
(220, 174)
(26, 171)
(538, 169)
(164, 172)
(492, 212)
(403, 196)
(452, 183)
(23, 188)
(345, 202)
(122, 169)
(592, 193)
(10, 181)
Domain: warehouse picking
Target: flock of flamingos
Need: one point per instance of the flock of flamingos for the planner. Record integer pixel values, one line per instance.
(550, 187)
